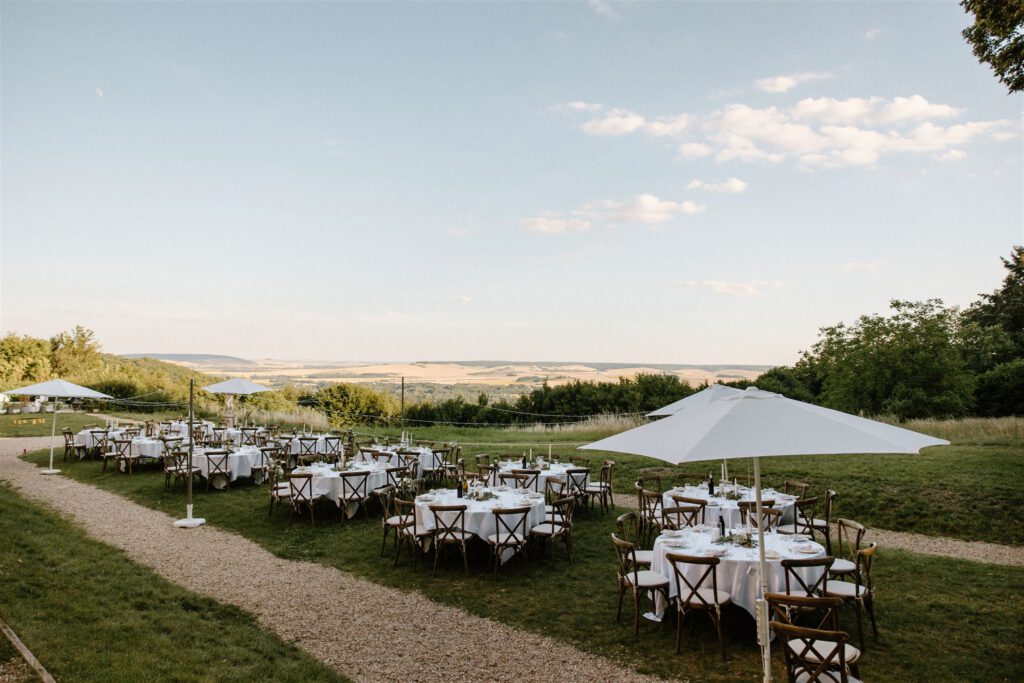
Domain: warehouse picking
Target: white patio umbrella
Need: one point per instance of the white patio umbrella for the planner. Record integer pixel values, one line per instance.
(712, 393)
(55, 388)
(235, 387)
(757, 424)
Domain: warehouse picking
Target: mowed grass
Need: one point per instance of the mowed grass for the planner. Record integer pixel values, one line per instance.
(90, 614)
(40, 424)
(939, 619)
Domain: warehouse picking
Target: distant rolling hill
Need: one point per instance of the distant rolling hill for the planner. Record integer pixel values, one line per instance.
(193, 358)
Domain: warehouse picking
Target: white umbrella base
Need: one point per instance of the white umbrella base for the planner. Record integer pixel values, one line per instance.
(191, 523)
(49, 471)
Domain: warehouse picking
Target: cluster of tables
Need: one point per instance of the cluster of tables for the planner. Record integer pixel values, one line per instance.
(727, 509)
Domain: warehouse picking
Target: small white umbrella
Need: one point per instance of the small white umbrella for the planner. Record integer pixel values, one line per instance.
(235, 387)
(701, 398)
(757, 424)
(55, 388)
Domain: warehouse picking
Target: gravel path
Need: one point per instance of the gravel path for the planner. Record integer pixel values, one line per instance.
(365, 631)
(976, 551)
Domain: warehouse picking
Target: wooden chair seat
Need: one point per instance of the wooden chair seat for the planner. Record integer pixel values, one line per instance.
(645, 557)
(707, 595)
(547, 529)
(850, 653)
(842, 566)
(845, 589)
(507, 537)
(824, 677)
(646, 579)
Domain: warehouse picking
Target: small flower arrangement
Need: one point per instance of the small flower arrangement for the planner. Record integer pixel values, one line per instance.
(741, 539)
(481, 494)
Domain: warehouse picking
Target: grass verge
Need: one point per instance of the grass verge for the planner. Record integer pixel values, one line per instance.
(90, 614)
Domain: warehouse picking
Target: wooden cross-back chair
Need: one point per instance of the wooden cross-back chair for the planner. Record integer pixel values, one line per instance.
(860, 591)
(300, 490)
(698, 502)
(557, 524)
(821, 613)
(576, 481)
(680, 516)
(354, 490)
(651, 504)
(247, 436)
(636, 580)
(601, 490)
(530, 479)
(630, 527)
(217, 464)
(510, 534)
(449, 530)
(796, 568)
(813, 655)
(795, 488)
(695, 596)
(849, 537)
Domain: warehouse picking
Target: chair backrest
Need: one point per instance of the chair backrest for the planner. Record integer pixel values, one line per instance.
(394, 474)
(69, 438)
(248, 436)
(449, 521)
(510, 525)
(307, 445)
(132, 432)
(804, 511)
(680, 516)
(332, 445)
(605, 476)
(783, 607)
(865, 562)
(579, 461)
(651, 504)
(216, 463)
(482, 459)
(629, 526)
(796, 569)
(489, 474)
(561, 512)
(554, 488)
(530, 478)
(795, 488)
(513, 479)
(688, 589)
(406, 512)
(813, 655)
(100, 437)
(770, 518)
(699, 502)
(301, 486)
(625, 553)
(828, 506)
(576, 480)
(851, 534)
(354, 484)
(121, 448)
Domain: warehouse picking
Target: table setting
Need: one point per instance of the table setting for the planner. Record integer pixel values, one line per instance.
(725, 502)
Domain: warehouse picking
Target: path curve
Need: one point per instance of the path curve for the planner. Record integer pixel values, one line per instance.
(438, 642)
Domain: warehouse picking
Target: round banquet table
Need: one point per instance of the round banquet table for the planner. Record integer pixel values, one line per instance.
(425, 455)
(729, 509)
(240, 461)
(479, 518)
(737, 571)
(554, 471)
(327, 481)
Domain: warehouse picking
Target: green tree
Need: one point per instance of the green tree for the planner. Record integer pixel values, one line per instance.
(1004, 307)
(1001, 390)
(349, 404)
(997, 38)
(75, 354)
(908, 364)
(23, 360)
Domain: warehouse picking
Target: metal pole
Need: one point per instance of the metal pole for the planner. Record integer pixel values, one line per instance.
(190, 522)
(761, 607)
(403, 403)
(53, 432)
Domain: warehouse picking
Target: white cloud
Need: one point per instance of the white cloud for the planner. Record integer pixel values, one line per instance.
(98, 91)
(603, 8)
(615, 122)
(693, 150)
(730, 186)
(862, 265)
(576, 106)
(750, 288)
(550, 223)
(667, 125)
(872, 33)
(644, 208)
(464, 299)
(780, 84)
(951, 155)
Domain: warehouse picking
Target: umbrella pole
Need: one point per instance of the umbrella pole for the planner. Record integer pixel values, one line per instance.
(761, 606)
(53, 432)
(190, 522)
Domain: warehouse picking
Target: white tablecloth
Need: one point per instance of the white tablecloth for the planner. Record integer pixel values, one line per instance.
(87, 439)
(729, 509)
(181, 428)
(394, 460)
(479, 514)
(240, 461)
(327, 481)
(737, 571)
(554, 471)
(295, 445)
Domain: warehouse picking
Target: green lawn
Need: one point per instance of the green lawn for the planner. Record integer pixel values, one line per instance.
(90, 614)
(938, 618)
(40, 424)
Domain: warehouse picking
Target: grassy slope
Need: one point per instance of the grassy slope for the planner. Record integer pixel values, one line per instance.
(923, 601)
(75, 421)
(90, 614)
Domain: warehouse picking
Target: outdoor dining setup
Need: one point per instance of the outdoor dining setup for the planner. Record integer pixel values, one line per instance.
(710, 543)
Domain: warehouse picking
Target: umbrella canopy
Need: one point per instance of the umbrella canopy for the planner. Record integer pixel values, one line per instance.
(236, 387)
(701, 398)
(56, 388)
(756, 423)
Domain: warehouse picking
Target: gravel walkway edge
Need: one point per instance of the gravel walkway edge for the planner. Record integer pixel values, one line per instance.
(345, 622)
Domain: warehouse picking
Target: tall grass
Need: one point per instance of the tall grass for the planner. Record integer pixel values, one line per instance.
(971, 430)
(597, 423)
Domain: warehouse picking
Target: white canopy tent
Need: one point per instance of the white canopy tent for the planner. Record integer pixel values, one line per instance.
(234, 387)
(55, 388)
(701, 398)
(756, 424)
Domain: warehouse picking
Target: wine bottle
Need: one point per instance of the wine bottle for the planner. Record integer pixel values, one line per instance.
(711, 485)
(721, 524)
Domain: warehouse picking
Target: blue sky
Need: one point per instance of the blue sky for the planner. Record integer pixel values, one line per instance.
(634, 182)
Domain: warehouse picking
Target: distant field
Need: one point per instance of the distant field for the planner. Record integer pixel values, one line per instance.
(514, 374)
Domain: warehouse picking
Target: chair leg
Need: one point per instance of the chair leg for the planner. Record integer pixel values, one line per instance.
(860, 622)
(869, 603)
(622, 594)
(636, 612)
(718, 625)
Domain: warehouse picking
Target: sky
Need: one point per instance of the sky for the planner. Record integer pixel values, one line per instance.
(576, 181)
